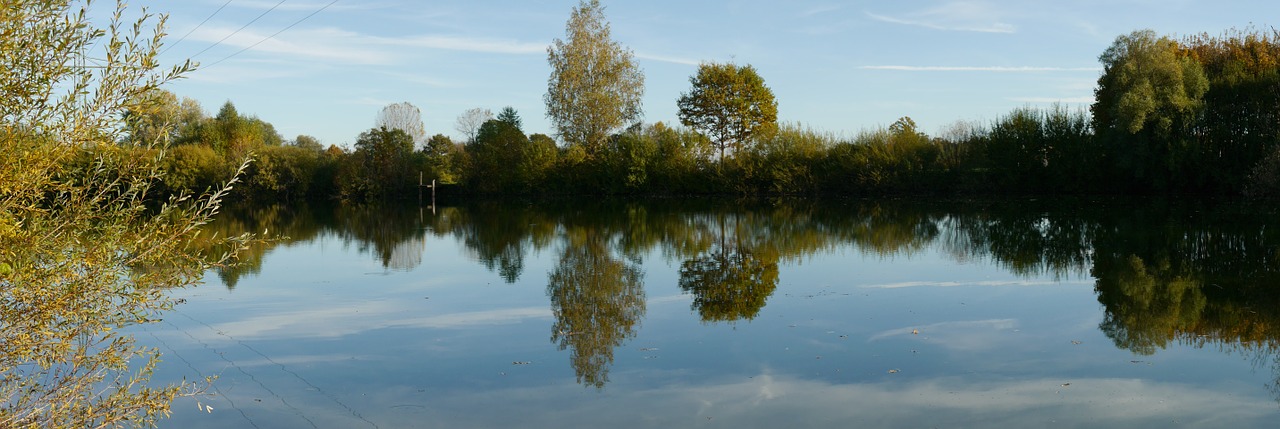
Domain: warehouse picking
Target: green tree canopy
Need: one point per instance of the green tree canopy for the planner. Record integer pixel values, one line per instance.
(1147, 82)
(497, 156)
(730, 103)
(308, 142)
(595, 85)
(380, 167)
(157, 117)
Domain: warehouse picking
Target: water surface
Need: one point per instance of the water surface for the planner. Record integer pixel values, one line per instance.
(666, 313)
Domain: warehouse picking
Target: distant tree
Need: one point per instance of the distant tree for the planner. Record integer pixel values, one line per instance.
(157, 117)
(380, 167)
(308, 143)
(233, 135)
(469, 122)
(595, 85)
(537, 159)
(730, 103)
(497, 156)
(510, 116)
(442, 158)
(405, 117)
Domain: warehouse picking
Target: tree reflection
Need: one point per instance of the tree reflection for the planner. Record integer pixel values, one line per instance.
(1166, 273)
(1146, 305)
(500, 235)
(391, 234)
(598, 301)
(730, 282)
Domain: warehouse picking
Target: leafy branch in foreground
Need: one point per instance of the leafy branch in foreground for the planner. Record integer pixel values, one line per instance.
(81, 255)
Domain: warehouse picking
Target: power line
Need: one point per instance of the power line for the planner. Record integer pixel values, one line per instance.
(193, 30)
(273, 35)
(238, 30)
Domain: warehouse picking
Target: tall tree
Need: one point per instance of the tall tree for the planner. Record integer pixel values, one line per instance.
(730, 103)
(469, 122)
(1148, 99)
(81, 255)
(595, 85)
(1146, 82)
(405, 117)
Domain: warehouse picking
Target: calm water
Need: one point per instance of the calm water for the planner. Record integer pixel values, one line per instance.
(726, 314)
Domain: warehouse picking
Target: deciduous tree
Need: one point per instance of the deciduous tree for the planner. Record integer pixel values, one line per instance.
(405, 117)
(729, 103)
(469, 122)
(595, 85)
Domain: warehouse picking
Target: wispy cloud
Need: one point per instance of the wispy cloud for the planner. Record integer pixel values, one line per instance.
(342, 47)
(667, 59)
(336, 322)
(304, 6)
(468, 44)
(1084, 99)
(953, 16)
(822, 9)
(326, 44)
(997, 69)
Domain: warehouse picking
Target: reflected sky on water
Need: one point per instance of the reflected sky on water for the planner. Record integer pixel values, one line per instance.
(730, 314)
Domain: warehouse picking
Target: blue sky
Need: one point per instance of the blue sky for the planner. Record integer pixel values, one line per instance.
(835, 66)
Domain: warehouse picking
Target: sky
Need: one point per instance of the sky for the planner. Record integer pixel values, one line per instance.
(326, 68)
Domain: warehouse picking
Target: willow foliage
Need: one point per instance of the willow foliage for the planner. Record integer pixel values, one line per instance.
(80, 255)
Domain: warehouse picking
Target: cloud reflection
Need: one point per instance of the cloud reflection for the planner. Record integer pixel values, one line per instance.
(333, 322)
(779, 400)
(957, 335)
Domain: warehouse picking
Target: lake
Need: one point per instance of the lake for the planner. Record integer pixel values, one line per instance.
(723, 313)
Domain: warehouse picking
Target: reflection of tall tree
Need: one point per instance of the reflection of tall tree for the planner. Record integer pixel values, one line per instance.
(598, 301)
(1146, 305)
(730, 282)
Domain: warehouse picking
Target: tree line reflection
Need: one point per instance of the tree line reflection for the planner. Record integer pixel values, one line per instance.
(1205, 274)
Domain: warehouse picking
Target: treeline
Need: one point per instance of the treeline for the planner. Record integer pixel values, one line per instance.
(1192, 116)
